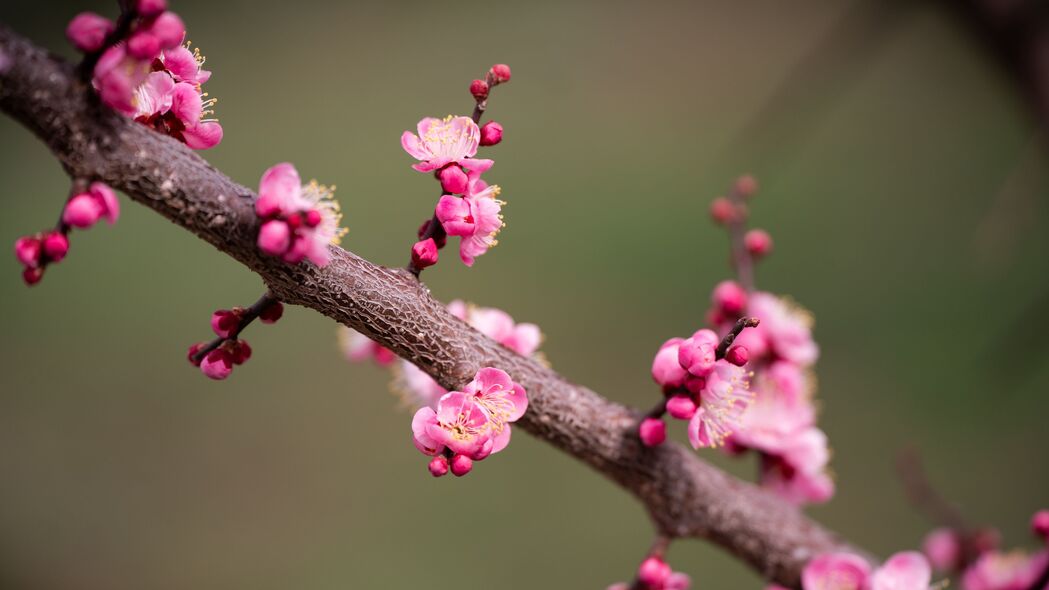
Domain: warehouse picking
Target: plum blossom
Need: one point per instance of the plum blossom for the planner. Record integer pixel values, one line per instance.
(844, 571)
(723, 401)
(785, 330)
(1014, 570)
(299, 221)
(440, 142)
(474, 217)
(943, 548)
(467, 426)
(358, 347)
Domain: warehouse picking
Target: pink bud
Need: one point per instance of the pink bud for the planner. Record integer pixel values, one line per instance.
(737, 355)
(225, 321)
(169, 30)
(217, 364)
(453, 179)
(88, 31)
(272, 312)
(986, 539)
(653, 572)
(758, 242)
(82, 211)
(730, 298)
(1040, 524)
(32, 276)
(438, 466)
(424, 253)
(722, 211)
(461, 465)
(313, 218)
(491, 133)
(695, 386)
(746, 186)
(681, 407)
(943, 549)
(652, 431)
(240, 352)
(56, 246)
(27, 251)
(143, 46)
(697, 357)
(666, 370)
(500, 73)
(274, 237)
(151, 8)
(107, 199)
(192, 353)
(479, 90)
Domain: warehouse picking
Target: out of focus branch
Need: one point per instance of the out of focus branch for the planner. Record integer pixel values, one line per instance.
(685, 496)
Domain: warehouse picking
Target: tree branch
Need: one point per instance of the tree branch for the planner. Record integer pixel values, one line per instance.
(685, 496)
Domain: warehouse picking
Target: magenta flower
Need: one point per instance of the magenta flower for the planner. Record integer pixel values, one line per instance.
(501, 399)
(458, 424)
(474, 217)
(440, 142)
(299, 221)
(724, 398)
(185, 65)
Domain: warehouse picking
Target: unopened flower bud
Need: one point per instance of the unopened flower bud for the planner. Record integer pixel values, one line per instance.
(424, 253)
(82, 211)
(272, 312)
(88, 31)
(27, 251)
(479, 90)
(143, 46)
(653, 572)
(453, 179)
(169, 29)
(1040, 524)
(461, 465)
(746, 186)
(500, 73)
(652, 431)
(730, 298)
(697, 357)
(313, 218)
(438, 466)
(491, 133)
(191, 354)
(943, 548)
(758, 242)
(681, 407)
(722, 211)
(737, 355)
(151, 8)
(240, 352)
(56, 246)
(274, 237)
(225, 321)
(32, 276)
(217, 364)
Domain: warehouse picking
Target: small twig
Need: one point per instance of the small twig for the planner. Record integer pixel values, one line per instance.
(250, 315)
(742, 261)
(729, 338)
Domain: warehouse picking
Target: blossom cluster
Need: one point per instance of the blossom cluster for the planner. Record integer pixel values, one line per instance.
(469, 207)
(84, 209)
(981, 564)
(469, 425)
(217, 358)
(420, 391)
(906, 570)
(711, 393)
(145, 72)
(299, 221)
(656, 574)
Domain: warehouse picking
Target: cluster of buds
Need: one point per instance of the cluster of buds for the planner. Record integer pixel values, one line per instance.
(468, 207)
(144, 71)
(655, 574)
(469, 425)
(703, 382)
(217, 358)
(975, 556)
(299, 221)
(732, 212)
(87, 205)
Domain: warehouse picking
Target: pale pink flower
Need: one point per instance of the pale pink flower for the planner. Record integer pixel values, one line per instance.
(458, 424)
(943, 548)
(995, 570)
(440, 142)
(309, 211)
(723, 400)
(775, 418)
(357, 347)
(907, 570)
(835, 571)
(786, 327)
(797, 472)
(501, 399)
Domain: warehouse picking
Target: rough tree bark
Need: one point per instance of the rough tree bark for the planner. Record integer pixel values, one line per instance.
(685, 496)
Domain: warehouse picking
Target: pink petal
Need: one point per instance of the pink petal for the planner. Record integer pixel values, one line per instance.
(181, 63)
(411, 144)
(837, 571)
(424, 418)
(280, 187)
(903, 571)
(186, 102)
(454, 214)
(108, 199)
(204, 135)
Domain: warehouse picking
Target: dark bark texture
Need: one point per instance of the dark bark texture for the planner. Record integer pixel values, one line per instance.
(685, 496)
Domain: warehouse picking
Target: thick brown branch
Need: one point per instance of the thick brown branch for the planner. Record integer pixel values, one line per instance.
(685, 496)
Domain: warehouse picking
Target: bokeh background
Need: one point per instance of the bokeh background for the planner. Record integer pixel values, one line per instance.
(901, 179)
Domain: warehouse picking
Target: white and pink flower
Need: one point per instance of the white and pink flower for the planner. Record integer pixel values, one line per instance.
(440, 142)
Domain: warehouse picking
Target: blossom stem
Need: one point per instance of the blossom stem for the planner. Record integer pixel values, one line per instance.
(250, 315)
(726, 342)
(742, 261)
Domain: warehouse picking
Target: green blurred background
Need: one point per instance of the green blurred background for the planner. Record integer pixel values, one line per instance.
(900, 179)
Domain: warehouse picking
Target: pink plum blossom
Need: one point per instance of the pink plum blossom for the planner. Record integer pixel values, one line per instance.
(786, 327)
(943, 549)
(458, 424)
(903, 571)
(501, 399)
(440, 142)
(474, 217)
(358, 347)
(835, 571)
(996, 570)
(299, 221)
(724, 399)
(798, 472)
(185, 65)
